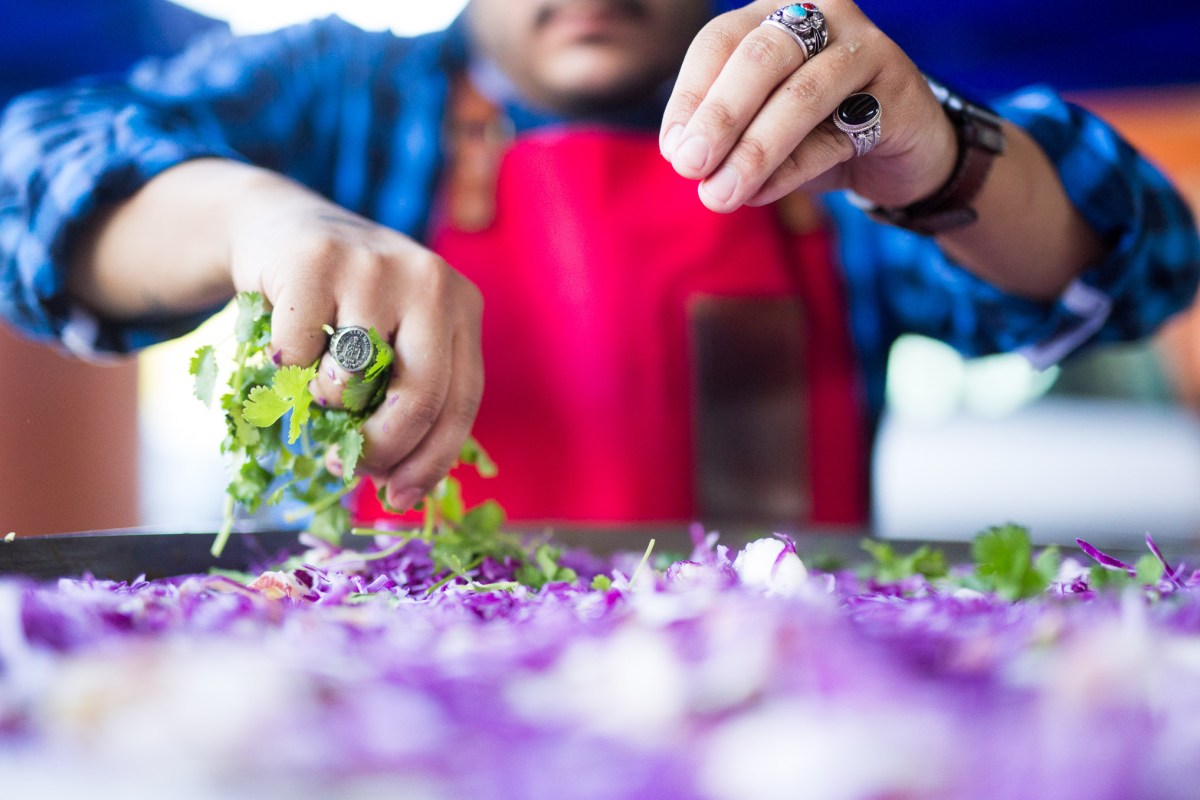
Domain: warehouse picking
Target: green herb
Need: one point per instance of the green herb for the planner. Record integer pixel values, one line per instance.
(277, 438)
(1004, 563)
(1147, 571)
(638, 569)
(891, 567)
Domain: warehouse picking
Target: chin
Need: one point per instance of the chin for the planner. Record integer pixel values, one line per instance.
(583, 85)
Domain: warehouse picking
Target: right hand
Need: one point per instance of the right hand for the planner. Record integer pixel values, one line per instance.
(318, 264)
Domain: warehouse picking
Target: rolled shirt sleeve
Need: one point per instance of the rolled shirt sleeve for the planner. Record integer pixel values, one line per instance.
(303, 101)
(61, 159)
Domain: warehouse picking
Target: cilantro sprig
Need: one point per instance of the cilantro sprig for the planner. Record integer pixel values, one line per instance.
(277, 438)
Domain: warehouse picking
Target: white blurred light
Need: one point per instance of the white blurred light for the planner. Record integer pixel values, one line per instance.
(406, 17)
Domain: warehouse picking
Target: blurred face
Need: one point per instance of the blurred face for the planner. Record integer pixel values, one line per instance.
(574, 56)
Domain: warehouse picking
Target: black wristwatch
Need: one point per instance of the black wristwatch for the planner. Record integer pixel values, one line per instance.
(980, 140)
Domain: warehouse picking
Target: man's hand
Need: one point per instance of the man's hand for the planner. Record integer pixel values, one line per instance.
(750, 116)
(204, 229)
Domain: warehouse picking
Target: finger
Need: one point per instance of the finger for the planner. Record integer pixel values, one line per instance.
(417, 474)
(296, 319)
(798, 109)
(764, 58)
(330, 383)
(702, 64)
(818, 164)
(416, 393)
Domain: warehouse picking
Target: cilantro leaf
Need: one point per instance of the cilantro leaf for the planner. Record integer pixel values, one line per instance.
(890, 567)
(472, 453)
(203, 367)
(384, 356)
(264, 407)
(250, 324)
(357, 394)
(1003, 558)
(350, 447)
(1149, 570)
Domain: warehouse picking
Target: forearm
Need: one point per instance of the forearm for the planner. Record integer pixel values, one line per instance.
(1029, 239)
(166, 249)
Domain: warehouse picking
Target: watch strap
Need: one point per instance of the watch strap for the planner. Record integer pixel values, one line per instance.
(980, 139)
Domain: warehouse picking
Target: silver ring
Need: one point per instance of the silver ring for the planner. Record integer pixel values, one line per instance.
(858, 117)
(351, 348)
(805, 23)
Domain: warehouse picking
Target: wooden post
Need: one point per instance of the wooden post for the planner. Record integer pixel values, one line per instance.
(68, 440)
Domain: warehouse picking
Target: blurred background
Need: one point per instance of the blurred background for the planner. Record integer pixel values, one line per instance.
(1106, 446)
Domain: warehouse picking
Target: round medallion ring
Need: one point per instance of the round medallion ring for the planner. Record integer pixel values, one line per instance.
(351, 348)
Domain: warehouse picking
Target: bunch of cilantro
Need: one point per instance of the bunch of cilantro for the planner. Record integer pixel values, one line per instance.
(277, 437)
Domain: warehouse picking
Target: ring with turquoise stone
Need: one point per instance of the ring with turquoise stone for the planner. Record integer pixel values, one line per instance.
(805, 23)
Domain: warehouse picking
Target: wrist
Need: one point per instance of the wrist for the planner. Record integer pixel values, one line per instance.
(979, 138)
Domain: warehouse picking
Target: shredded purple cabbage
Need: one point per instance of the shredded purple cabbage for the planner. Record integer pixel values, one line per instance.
(714, 678)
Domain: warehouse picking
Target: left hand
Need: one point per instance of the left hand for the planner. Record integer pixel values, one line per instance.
(750, 115)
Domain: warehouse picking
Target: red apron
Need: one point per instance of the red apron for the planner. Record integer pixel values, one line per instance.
(596, 265)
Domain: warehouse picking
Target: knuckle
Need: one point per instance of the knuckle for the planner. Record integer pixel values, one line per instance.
(689, 99)
(717, 39)
(433, 275)
(754, 153)
(371, 269)
(875, 40)
(805, 90)
(322, 252)
(422, 408)
(832, 145)
(719, 116)
(792, 167)
(764, 52)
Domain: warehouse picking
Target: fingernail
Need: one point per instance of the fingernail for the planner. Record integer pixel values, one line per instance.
(277, 357)
(671, 139)
(722, 184)
(692, 154)
(406, 499)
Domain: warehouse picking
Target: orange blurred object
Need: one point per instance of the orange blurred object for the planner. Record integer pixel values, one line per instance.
(68, 441)
(1164, 124)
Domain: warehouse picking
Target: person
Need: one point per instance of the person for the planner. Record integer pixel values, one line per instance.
(686, 261)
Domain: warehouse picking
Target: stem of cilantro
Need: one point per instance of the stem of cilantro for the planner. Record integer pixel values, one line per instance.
(455, 574)
(218, 545)
(429, 522)
(379, 554)
(322, 504)
(405, 535)
(642, 563)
